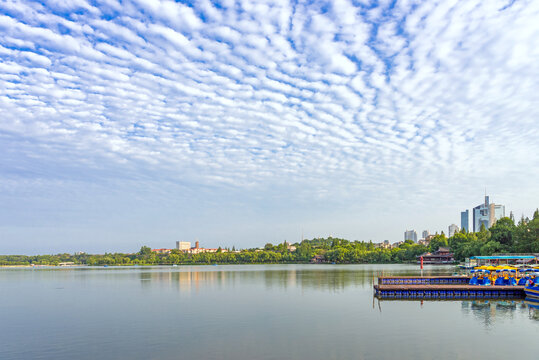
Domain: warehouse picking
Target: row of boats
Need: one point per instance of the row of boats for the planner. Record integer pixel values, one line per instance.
(508, 276)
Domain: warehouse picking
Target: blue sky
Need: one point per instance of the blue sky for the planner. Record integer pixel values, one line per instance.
(239, 123)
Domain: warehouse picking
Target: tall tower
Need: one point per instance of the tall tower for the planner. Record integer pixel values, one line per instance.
(464, 218)
(487, 214)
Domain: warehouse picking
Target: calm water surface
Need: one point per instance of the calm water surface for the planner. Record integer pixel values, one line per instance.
(247, 312)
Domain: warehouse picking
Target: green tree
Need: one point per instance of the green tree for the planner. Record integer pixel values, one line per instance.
(526, 235)
(502, 232)
(457, 239)
(437, 242)
(145, 250)
(490, 248)
(483, 235)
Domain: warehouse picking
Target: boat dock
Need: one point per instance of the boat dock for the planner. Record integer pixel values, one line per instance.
(423, 280)
(441, 287)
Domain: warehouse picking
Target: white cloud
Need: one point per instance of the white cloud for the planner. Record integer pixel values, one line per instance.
(327, 101)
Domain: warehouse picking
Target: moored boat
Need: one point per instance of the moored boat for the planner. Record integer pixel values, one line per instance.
(532, 287)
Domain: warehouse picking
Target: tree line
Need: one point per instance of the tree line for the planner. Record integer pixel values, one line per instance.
(503, 237)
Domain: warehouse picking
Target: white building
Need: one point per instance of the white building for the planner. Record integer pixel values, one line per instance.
(410, 235)
(453, 229)
(183, 245)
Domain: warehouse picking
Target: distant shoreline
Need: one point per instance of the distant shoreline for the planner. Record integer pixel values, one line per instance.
(38, 266)
(212, 264)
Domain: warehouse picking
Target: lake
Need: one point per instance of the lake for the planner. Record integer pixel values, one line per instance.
(247, 312)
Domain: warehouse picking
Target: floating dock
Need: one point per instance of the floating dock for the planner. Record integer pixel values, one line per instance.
(441, 287)
(423, 280)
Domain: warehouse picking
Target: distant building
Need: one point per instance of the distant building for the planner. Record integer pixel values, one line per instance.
(496, 212)
(423, 242)
(199, 250)
(486, 214)
(289, 246)
(397, 244)
(383, 245)
(183, 245)
(196, 249)
(453, 229)
(464, 217)
(410, 235)
(162, 251)
(425, 234)
(441, 256)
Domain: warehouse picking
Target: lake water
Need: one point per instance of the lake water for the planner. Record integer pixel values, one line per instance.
(247, 312)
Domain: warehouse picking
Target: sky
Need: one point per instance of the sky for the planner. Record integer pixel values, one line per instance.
(237, 123)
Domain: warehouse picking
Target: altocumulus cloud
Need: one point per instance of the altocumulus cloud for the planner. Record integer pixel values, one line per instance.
(329, 100)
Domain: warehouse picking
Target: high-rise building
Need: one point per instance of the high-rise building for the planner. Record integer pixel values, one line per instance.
(410, 235)
(496, 212)
(425, 234)
(486, 214)
(464, 218)
(453, 229)
(183, 245)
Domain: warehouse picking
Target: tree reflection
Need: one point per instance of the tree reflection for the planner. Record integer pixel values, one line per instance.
(321, 278)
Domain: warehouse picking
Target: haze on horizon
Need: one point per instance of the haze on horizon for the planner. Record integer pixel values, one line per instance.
(143, 122)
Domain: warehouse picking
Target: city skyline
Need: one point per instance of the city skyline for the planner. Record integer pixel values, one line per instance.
(149, 122)
(487, 214)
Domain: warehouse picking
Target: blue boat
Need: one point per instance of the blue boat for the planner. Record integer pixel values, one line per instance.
(504, 277)
(480, 277)
(532, 287)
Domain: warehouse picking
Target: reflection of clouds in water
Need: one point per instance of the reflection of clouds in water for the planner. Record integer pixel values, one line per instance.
(325, 279)
(186, 280)
(334, 280)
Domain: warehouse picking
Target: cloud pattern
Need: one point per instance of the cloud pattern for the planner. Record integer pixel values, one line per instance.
(326, 100)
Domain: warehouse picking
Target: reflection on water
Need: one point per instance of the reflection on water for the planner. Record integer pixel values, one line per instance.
(488, 311)
(323, 277)
(482, 310)
(247, 312)
(533, 309)
(333, 280)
